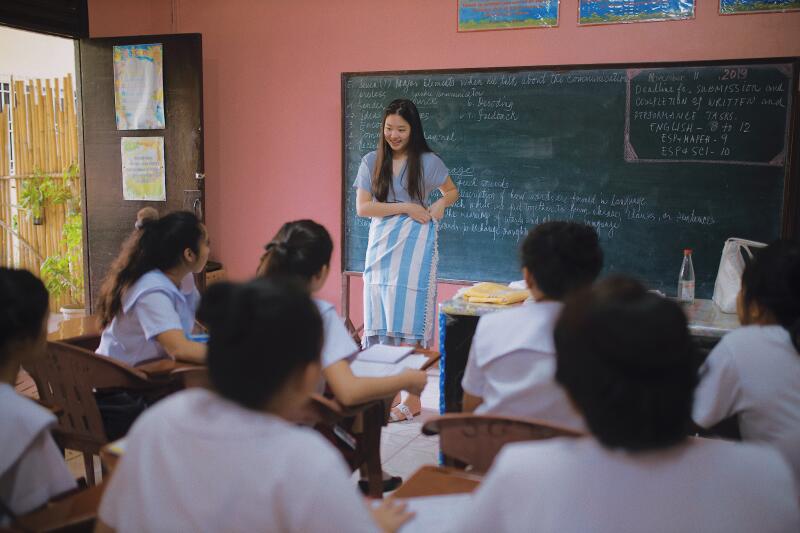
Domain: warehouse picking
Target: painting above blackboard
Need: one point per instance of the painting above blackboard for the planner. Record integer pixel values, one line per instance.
(657, 159)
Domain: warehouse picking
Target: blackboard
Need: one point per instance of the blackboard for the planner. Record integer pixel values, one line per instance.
(657, 159)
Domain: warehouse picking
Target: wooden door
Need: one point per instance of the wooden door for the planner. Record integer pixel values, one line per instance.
(110, 218)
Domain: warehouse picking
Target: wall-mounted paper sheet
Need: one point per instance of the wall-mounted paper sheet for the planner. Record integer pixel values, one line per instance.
(614, 11)
(477, 15)
(139, 87)
(143, 169)
(735, 7)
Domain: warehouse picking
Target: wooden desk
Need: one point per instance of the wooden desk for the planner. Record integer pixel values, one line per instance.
(432, 480)
(459, 318)
(76, 512)
(76, 329)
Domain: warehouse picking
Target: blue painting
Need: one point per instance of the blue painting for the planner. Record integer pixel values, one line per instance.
(732, 7)
(477, 15)
(614, 11)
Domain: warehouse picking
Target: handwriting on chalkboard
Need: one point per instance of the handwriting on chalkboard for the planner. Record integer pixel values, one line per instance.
(735, 115)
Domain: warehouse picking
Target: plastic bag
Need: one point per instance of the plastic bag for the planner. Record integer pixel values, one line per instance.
(729, 275)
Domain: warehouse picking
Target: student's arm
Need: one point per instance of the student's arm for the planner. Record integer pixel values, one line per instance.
(366, 206)
(180, 348)
(449, 197)
(718, 394)
(470, 402)
(352, 390)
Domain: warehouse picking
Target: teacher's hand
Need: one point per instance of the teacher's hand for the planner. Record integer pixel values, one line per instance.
(418, 213)
(437, 209)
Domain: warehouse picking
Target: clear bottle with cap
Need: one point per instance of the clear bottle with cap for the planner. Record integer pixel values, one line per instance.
(686, 278)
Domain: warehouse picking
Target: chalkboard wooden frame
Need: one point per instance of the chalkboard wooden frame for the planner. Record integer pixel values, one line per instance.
(790, 216)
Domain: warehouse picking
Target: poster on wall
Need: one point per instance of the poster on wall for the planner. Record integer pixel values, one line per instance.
(139, 87)
(622, 11)
(736, 7)
(143, 169)
(478, 15)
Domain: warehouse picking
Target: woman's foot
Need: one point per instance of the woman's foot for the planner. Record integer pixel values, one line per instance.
(410, 407)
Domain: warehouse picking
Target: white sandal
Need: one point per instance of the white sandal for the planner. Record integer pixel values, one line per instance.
(403, 408)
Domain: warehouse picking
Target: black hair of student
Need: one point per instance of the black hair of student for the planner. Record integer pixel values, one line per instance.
(260, 333)
(23, 306)
(417, 145)
(562, 256)
(155, 243)
(772, 280)
(625, 357)
(300, 248)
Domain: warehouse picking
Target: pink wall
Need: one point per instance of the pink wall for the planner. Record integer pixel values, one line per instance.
(271, 73)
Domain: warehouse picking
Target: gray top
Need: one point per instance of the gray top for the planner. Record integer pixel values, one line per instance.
(705, 318)
(434, 174)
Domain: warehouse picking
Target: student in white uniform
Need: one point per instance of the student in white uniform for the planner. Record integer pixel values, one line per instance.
(625, 359)
(32, 469)
(148, 300)
(303, 248)
(754, 371)
(227, 459)
(512, 362)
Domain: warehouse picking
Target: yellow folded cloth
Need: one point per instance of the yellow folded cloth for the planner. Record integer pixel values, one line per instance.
(494, 293)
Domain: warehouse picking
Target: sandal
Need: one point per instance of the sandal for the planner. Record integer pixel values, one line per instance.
(407, 415)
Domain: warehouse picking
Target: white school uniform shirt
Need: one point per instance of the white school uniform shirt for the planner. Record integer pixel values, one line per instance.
(577, 485)
(198, 462)
(512, 366)
(754, 372)
(338, 345)
(151, 306)
(32, 469)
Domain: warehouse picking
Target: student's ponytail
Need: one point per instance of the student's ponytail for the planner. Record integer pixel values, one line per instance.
(772, 280)
(155, 243)
(300, 248)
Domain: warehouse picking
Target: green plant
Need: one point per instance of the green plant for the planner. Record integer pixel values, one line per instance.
(63, 273)
(42, 189)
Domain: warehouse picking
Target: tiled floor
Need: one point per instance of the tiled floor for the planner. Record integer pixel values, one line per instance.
(403, 446)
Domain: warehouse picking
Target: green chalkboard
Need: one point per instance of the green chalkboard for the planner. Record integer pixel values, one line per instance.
(657, 159)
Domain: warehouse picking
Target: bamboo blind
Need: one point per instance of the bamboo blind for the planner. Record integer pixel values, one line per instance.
(45, 141)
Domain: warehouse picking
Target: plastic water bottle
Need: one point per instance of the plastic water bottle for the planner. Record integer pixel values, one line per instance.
(686, 279)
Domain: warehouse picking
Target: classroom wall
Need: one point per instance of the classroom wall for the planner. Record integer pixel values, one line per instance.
(271, 71)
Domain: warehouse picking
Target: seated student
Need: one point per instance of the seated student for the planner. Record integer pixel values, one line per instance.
(32, 469)
(754, 371)
(512, 363)
(625, 359)
(303, 248)
(227, 459)
(148, 300)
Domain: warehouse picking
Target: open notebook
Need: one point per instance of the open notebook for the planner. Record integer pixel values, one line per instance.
(380, 361)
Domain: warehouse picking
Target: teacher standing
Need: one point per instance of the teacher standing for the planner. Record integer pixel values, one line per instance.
(393, 185)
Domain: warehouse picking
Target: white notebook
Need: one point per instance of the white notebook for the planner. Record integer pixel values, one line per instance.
(367, 369)
(380, 353)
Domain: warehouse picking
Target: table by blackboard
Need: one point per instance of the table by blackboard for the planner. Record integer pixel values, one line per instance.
(656, 158)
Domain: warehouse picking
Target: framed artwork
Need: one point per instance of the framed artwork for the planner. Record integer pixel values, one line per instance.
(479, 15)
(738, 7)
(624, 11)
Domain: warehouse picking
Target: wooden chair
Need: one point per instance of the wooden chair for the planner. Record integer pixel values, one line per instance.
(475, 440)
(67, 377)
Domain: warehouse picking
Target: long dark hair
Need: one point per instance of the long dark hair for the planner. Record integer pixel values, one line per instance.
(417, 145)
(23, 306)
(155, 243)
(260, 333)
(300, 248)
(772, 280)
